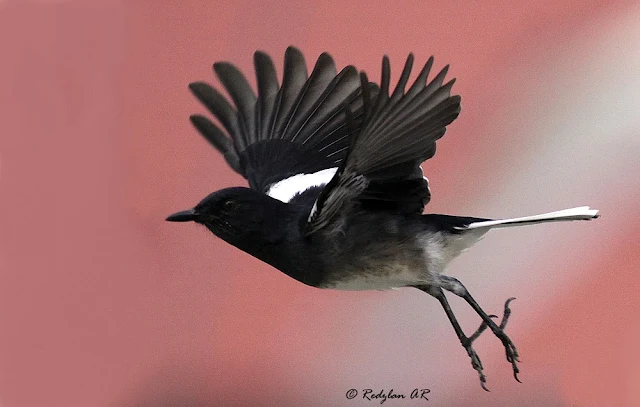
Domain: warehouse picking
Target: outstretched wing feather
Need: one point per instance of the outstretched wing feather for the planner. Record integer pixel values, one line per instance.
(382, 167)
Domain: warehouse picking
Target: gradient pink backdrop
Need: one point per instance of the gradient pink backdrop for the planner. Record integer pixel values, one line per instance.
(102, 303)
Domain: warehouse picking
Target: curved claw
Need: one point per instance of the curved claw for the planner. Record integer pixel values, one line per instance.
(515, 376)
(512, 354)
(507, 313)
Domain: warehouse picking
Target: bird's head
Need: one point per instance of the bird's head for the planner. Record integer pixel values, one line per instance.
(240, 216)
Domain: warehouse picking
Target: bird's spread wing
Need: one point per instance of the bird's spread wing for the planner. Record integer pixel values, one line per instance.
(294, 128)
(399, 132)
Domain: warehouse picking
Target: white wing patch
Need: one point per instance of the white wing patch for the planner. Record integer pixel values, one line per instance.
(288, 188)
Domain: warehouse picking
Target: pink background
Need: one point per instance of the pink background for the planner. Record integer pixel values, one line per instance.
(102, 303)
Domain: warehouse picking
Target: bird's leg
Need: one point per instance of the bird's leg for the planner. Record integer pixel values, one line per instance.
(464, 340)
(503, 323)
(453, 285)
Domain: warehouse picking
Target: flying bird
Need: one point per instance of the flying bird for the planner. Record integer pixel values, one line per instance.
(336, 192)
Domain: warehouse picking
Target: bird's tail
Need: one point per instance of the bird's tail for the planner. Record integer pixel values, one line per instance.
(581, 213)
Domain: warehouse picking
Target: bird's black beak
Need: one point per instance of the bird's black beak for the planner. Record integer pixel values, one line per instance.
(184, 216)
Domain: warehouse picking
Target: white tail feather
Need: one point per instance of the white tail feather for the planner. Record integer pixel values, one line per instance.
(581, 213)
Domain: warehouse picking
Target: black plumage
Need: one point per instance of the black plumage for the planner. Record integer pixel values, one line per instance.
(336, 190)
(293, 128)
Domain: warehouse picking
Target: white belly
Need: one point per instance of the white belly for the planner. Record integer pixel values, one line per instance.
(390, 268)
(393, 277)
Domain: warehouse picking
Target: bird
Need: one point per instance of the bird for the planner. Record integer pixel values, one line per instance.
(336, 190)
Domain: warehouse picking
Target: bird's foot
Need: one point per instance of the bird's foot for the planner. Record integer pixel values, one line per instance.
(512, 352)
(454, 286)
(510, 348)
(475, 359)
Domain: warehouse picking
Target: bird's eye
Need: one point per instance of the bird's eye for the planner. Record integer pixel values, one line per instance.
(229, 205)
